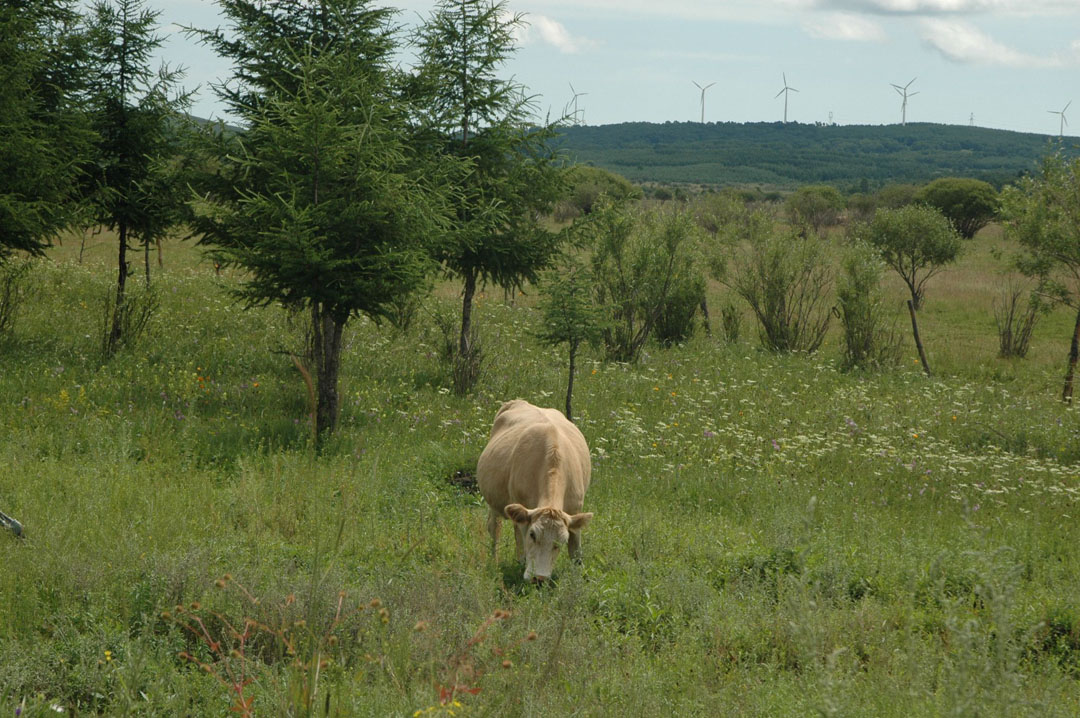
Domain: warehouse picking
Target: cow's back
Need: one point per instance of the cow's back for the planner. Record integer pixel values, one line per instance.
(526, 442)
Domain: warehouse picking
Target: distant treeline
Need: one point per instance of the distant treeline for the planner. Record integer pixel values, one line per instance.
(850, 157)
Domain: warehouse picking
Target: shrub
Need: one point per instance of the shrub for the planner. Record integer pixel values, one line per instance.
(870, 339)
(785, 280)
(641, 261)
(587, 185)
(861, 207)
(713, 212)
(661, 193)
(968, 203)
(814, 207)
(895, 196)
(1015, 319)
(675, 323)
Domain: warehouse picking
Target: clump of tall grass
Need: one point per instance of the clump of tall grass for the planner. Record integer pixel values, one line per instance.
(131, 317)
(464, 366)
(730, 322)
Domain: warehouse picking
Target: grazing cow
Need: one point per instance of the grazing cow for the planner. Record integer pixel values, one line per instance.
(534, 471)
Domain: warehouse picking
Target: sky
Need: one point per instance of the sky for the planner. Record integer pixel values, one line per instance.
(1005, 64)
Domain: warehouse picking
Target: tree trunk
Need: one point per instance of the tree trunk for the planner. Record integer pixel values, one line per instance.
(705, 316)
(570, 381)
(1074, 354)
(913, 288)
(918, 341)
(146, 262)
(464, 347)
(116, 332)
(328, 331)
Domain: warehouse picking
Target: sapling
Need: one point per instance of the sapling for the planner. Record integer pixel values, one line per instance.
(569, 315)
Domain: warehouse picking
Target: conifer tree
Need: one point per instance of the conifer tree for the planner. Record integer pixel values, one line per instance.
(569, 315)
(320, 198)
(473, 114)
(136, 118)
(43, 133)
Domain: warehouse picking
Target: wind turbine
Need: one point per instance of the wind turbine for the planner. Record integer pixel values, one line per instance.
(703, 98)
(1064, 123)
(785, 92)
(902, 91)
(574, 101)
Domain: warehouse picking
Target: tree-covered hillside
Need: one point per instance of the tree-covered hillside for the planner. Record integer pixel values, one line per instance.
(779, 155)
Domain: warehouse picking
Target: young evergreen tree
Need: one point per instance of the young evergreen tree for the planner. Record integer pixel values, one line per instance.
(43, 133)
(512, 177)
(568, 315)
(320, 199)
(136, 118)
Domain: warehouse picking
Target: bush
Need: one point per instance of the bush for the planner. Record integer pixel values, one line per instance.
(1015, 320)
(713, 212)
(895, 196)
(785, 280)
(968, 203)
(814, 207)
(870, 339)
(675, 324)
(586, 186)
(861, 207)
(644, 266)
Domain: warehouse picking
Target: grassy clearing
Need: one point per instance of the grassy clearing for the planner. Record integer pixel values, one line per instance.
(772, 536)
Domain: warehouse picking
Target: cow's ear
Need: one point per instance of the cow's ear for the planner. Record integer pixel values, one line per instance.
(579, 521)
(517, 513)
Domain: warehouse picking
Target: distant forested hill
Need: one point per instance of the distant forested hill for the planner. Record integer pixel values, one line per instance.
(784, 156)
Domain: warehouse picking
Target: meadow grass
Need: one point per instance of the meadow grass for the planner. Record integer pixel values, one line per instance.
(773, 536)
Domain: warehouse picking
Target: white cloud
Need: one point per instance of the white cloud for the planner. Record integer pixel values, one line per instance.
(844, 26)
(694, 10)
(964, 43)
(951, 7)
(542, 29)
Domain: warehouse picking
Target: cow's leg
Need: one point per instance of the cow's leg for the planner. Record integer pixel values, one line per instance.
(574, 545)
(494, 526)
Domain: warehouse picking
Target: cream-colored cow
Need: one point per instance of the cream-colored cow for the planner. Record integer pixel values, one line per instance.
(534, 471)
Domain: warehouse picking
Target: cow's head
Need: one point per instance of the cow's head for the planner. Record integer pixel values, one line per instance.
(545, 530)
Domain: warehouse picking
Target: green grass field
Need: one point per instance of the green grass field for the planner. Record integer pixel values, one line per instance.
(772, 536)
